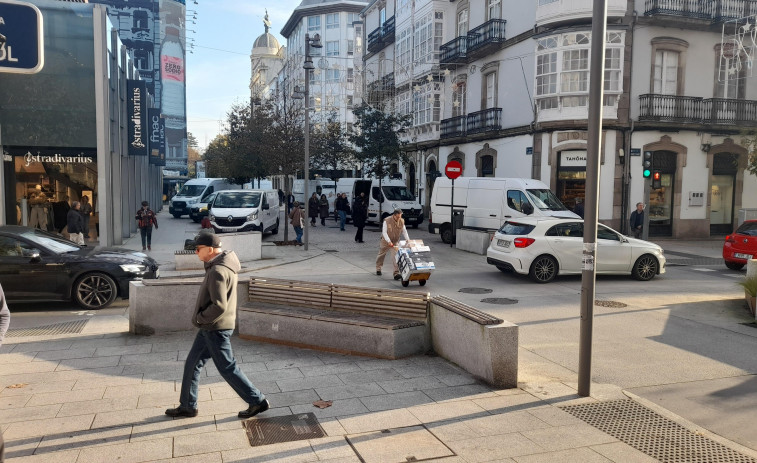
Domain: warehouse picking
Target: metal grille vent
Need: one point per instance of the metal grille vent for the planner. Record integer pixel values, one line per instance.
(288, 428)
(73, 327)
(653, 434)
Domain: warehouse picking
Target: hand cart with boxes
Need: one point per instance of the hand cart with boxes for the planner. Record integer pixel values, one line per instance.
(414, 262)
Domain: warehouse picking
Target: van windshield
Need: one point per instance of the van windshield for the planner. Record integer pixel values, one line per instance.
(191, 190)
(237, 199)
(398, 193)
(545, 200)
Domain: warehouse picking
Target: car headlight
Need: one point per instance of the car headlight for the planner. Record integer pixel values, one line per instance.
(395, 206)
(133, 268)
(252, 216)
(212, 218)
(203, 209)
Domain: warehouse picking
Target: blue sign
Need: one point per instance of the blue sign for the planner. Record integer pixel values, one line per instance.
(529, 150)
(635, 151)
(21, 27)
(157, 128)
(136, 97)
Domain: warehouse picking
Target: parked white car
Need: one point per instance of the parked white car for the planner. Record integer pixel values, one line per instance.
(544, 247)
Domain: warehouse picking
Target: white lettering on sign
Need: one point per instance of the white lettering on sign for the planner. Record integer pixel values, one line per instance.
(57, 159)
(137, 118)
(454, 169)
(2, 21)
(6, 54)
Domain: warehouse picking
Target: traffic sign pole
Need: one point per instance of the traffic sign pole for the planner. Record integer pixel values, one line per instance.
(452, 215)
(452, 170)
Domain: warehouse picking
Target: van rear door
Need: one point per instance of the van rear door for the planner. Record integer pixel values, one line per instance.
(484, 203)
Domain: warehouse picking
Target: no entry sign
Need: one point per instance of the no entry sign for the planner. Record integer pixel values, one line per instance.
(453, 169)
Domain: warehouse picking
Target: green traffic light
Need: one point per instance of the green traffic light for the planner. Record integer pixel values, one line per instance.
(647, 173)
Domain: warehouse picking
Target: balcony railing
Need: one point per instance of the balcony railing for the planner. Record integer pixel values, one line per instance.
(695, 110)
(374, 40)
(484, 121)
(452, 127)
(387, 31)
(454, 51)
(490, 32)
(713, 10)
(381, 36)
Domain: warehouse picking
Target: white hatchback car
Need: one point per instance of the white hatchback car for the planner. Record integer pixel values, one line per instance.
(544, 247)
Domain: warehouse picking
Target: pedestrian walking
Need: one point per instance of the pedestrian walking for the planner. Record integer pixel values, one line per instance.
(145, 220)
(297, 219)
(5, 320)
(215, 315)
(636, 221)
(86, 211)
(313, 204)
(60, 214)
(75, 224)
(579, 209)
(392, 230)
(359, 216)
(323, 209)
(342, 209)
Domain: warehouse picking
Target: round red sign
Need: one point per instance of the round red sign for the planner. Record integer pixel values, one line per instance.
(453, 169)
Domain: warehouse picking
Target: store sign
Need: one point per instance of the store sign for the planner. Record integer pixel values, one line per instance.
(136, 92)
(573, 159)
(57, 158)
(157, 128)
(22, 50)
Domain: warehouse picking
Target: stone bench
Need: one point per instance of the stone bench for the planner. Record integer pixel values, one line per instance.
(186, 260)
(337, 318)
(483, 345)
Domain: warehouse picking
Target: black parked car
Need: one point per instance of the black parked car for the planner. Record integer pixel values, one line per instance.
(37, 265)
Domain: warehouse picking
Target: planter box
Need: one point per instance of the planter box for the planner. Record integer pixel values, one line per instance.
(751, 302)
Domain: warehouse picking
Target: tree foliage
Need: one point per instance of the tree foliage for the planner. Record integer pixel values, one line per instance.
(750, 143)
(377, 139)
(330, 148)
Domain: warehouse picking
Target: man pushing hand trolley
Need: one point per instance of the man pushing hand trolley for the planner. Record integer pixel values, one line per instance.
(414, 262)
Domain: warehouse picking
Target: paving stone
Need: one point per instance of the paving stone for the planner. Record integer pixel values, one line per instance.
(128, 417)
(393, 401)
(286, 399)
(331, 448)
(10, 359)
(331, 369)
(487, 449)
(414, 384)
(456, 379)
(227, 422)
(331, 358)
(169, 399)
(39, 346)
(217, 441)
(278, 375)
(88, 363)
(338, 408)
(13, 415)
(53, 426)
(123, 350)
(128, 453)
(622, 452)
(332, 426)
(565, 437)
(139, 389)
(173, 428)
(15, 401)
(554, 416)
(15, 448)
(285, 452)
(64, 354)
(98, 342)
(381, 374)
(214, 457)
(414, 371)
(77, 439)
(27, 367)
(224, 391)
(97, 406)
(377, 421)
(452, 430)
(39, 388)
(173, 346)
(463, 409)
(311, 382)
(26, 378)
(150, 359)
(504, 423)
(509, 403)
(582, 455)
(63, 397)
(398, 445)
(350, 391)
(69, 456)
(382, 364)
(467, 392)
(294, 363)
(108, 381)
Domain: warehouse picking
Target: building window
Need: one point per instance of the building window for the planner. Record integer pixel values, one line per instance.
(428, 39)
(141, 19)
(404, 103)
(382, 16)
(426, 103)
(314, 23)
(332, 48)
(459, 98)
(487, 166)
(142, 59)
(665, 72)
(332, 21)
(462, 23)
(350, 47)
(730, 84)
(332, 75)
(404, 48)
(489, 97)
(349, 101)
(494, 9)
(352, 18)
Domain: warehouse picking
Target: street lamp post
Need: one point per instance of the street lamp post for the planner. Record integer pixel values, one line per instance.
(314, 42)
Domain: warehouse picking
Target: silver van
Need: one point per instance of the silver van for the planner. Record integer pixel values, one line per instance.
(245, 210)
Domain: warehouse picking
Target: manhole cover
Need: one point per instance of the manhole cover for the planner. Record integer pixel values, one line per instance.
(610, 304)
(265, 431)
(474, 290)
(653, 434)
(73, 327)
(499, 300)
(414, 443)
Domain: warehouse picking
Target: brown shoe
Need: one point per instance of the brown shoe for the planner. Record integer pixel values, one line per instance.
(254, 409)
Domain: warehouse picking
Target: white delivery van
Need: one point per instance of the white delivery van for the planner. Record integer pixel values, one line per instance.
(392, 194)
(245, 210)
(194, 191)
(319, 186)
(487, 202)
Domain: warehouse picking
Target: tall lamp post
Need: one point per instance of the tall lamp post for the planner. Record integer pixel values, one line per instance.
(314, 42)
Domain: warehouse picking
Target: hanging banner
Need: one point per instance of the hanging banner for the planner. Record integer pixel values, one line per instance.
(157, 130)
(136, 96)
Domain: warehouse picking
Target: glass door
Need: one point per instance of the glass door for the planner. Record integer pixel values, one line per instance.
(660, 207)
(721, 205)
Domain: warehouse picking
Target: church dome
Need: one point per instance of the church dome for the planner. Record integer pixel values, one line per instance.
(266, 44)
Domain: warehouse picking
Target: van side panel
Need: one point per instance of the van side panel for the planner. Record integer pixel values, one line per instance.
(484, 203)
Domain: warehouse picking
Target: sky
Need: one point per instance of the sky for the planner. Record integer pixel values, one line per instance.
(218, 67)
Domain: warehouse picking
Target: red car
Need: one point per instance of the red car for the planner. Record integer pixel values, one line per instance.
(741, 245)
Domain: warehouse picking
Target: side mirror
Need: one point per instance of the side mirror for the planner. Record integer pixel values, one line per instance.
(266, 207)
(527, 208)
(34, 256)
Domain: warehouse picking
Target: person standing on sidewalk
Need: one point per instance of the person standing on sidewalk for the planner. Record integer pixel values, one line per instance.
(297, 220)
(342, 208)
(391, 231)
(215, 315)
(359, 216)
(313, 204)
(86, 211)
(636, 221)
(145, 220)
(5, 321)
(323, 209)
(75, 224)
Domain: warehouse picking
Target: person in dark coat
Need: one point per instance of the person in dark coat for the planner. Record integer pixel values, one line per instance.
(359, 216)
(313, 205)
(323, 209)
(75, 224)
(579, 209)
(85, 210)
(636, 221)
(60, 214)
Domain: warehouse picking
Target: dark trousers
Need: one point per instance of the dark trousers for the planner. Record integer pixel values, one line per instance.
(146, 233)
(359, 234)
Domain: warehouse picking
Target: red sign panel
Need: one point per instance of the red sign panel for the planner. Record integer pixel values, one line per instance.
(453, 169)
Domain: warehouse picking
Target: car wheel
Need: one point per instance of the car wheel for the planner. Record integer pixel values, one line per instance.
(543, 269)
(176, 216)
(734, 265)
(194, 219)
(275, 231)
(645, 267)
(503, 269)
(446, 233)
(95, 291)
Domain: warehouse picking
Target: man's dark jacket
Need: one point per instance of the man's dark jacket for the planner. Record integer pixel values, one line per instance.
(216, 307)
(74, 221)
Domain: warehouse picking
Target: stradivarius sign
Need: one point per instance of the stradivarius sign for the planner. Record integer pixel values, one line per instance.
(23, 48)
(136, 95)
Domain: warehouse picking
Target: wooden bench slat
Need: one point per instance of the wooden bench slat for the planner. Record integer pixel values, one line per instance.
(379, 308)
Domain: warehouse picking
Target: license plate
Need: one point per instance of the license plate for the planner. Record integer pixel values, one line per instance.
(739, 255)
(503, 243)
(229, 229)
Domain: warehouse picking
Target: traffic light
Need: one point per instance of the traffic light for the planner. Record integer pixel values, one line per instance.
(646, 164)
(656, 180)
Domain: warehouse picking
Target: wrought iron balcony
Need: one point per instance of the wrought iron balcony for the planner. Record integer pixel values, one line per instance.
(715, 11)
(387, 31)
(374, 40)
(727, 10)
(695, 110)
(454, 51)
(484, 121)
(381, 36)
(490, 33)
(452, 127)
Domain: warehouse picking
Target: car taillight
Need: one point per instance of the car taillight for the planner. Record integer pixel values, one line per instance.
(730, 239)
(523, 242)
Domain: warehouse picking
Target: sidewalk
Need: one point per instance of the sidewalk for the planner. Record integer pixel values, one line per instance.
(98, 395)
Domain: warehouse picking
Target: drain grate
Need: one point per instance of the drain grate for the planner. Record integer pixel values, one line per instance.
(289, 428)
(610, 304)
(474, 290)
(499, 300)
(653, 434)
(73, 327)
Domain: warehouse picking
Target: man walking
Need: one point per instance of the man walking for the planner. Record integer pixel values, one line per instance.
(145, 220)
(75, 224)
(215, 315)
(297, 219)
(392, 230)
(637, 220)
(342, 207)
